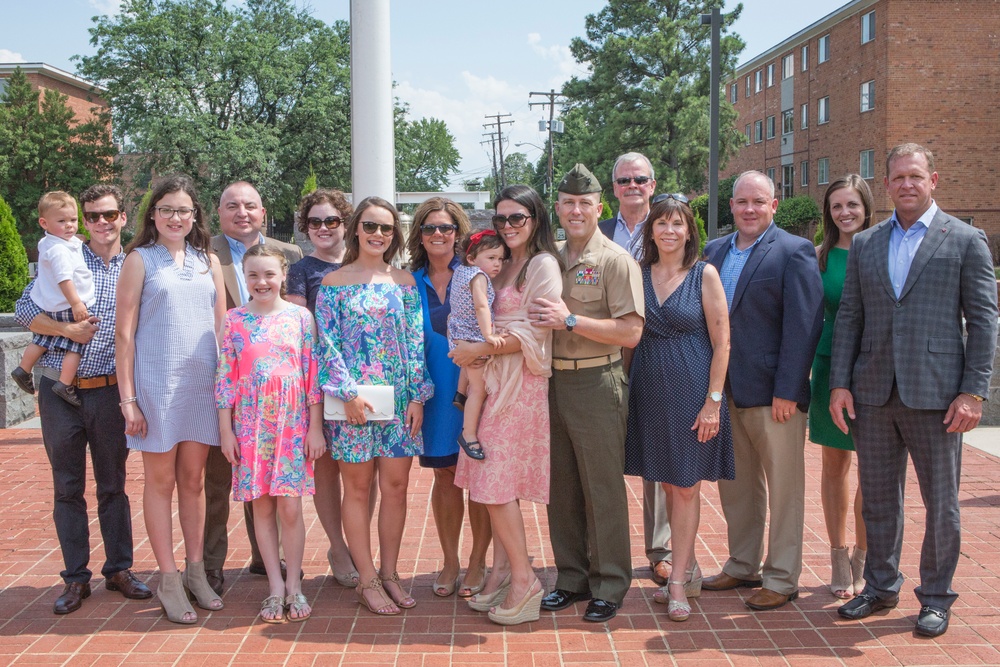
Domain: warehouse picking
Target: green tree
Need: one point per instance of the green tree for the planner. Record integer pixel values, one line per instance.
(796, 213)
(13, 261)
(425, 153)
(648, 90)
(310, 185)
(517, 170)
(43, 147)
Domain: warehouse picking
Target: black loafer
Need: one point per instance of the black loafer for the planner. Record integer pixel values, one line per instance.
(932, 622)
(864, 605)
(599, 611)
(72, 597)
(560, 599)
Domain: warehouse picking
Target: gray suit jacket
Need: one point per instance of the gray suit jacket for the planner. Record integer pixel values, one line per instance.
(917, 338)
(220, 247)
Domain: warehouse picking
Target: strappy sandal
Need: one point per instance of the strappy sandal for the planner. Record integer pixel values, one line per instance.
(170, 593)
(388, 607)
(197, 586)
(295, 604)
(404, 601)
(841, 584)
(349, 579)
(276, 606)
(677, 610)
(473, 452)
(692, 587)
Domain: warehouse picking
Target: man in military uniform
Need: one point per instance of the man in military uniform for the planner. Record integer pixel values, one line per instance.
(601, 311)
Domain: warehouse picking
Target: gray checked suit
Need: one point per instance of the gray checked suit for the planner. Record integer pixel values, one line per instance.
(905, 361)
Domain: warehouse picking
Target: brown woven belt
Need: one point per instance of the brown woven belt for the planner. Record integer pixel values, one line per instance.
(580, 364)
(96, 382)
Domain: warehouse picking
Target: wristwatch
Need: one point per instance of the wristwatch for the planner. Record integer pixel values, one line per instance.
(570, 322)
(716, 396)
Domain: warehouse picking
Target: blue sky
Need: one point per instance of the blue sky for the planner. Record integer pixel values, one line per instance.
(457, 60)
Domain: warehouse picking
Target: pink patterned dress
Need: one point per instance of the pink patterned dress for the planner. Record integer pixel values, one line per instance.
(516, 440)
(267, 375)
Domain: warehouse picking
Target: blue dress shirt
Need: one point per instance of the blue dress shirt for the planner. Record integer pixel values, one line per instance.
(903, 246)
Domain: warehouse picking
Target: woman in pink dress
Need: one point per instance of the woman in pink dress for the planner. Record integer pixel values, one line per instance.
(514, 428)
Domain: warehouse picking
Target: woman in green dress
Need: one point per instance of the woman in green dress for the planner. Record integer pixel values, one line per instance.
(847, 209)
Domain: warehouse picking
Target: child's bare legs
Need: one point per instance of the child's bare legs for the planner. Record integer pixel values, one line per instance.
(476, 393)
(32, 354)
(266, 528)
(293, 542)
(71, 362)
(463, 382)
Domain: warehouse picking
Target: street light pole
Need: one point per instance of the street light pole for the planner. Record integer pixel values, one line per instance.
(715, 20)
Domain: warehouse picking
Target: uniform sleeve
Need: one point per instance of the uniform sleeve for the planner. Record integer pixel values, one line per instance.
(419, 385)
(332, 374)
(623, 286)
(227, 373)
(309, 366)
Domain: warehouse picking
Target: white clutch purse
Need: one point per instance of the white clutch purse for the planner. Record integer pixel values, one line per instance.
(382, 398)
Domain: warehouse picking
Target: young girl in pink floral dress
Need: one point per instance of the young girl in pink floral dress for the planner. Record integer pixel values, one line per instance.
(271, 421)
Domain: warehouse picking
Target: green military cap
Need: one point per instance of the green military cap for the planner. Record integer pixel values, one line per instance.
(579, 181)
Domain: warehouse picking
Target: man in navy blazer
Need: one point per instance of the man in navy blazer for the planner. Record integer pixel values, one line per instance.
(909, 381)
(775, 296)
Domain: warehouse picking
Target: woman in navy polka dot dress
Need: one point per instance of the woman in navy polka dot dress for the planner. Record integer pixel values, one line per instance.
(678, 421)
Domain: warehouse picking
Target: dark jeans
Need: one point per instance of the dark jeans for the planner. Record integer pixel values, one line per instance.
(66, 432)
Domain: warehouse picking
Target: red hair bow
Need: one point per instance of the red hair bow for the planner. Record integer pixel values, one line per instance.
(478, 236)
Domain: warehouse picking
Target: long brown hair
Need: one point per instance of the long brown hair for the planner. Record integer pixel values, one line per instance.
(418, 254)
(351, 232)
(831, 233)
(665, 209)
(542, 239)
(198, 237)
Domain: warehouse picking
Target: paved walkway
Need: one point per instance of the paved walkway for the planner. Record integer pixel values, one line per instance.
(109, 630)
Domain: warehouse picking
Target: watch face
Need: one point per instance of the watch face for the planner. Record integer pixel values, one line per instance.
(716, 396)
(571, 320)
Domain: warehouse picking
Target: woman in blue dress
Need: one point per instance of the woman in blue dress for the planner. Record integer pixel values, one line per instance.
(439, 225)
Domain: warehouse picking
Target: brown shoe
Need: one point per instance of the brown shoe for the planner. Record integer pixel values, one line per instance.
(724, 582)
(661, 572)
(126, 583)
(72, 597)
(765, 599)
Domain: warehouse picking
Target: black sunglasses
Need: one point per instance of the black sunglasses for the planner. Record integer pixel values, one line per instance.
(330, 222)
(515, 220)
(94, 216)
(639, 180)
(372, 227)
(676, 197)
(446, 230)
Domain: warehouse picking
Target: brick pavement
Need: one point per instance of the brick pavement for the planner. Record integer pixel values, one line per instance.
(109, 630)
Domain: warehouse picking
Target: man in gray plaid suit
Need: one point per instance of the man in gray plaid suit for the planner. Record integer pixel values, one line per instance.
(907, 381)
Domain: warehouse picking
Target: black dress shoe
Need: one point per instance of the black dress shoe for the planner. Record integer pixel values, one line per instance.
(216, 580)
(125, 582)
(258, 568)
(560, 599)
(864, 605)
(72, 597)
(932, 622)
(599, 611)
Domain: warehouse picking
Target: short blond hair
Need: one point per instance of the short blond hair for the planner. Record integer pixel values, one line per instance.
(55, 199)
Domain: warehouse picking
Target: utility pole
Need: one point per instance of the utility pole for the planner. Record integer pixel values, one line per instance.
(552, 95)
(493, 146)
(499, 123)
(715, 21)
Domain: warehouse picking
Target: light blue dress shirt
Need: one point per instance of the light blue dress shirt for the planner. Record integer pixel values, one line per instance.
(732, 265)
(237, 249)
(903, 246)
(630, 241)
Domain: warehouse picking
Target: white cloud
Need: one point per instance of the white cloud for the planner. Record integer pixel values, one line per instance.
(109, 7)
(11, 57)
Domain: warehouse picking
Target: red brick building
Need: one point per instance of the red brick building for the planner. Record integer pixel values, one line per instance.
(83, 95)
(836, 96)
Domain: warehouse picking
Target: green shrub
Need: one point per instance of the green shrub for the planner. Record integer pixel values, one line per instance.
(310, 183)
(702, 233)
(818, 238)
(797, 212)
(700, 206)
(13, 260)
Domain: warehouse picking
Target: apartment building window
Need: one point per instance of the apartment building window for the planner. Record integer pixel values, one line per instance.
(867, 168)
(748, 134)
(804, 173)
(788, 66)
(867, 96)
(733, 93)
(787, 180)
(824, 49)
(805, 57)
(748, 86)
(805, 116)
(770, 127)
(758, 80)
(823, 171)
(758, 131)
(770, 75)
(770, 173)
(787, 122)
(824, 111)
(867, 27)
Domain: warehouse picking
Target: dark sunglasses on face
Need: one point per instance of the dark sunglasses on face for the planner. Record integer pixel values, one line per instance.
(372, 227)
(430, 230)
(331, 222)
(94, 216)
(639, 180)
(676, 197)
(515, 220)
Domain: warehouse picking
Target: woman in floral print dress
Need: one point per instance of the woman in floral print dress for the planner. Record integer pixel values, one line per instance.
(370, 332)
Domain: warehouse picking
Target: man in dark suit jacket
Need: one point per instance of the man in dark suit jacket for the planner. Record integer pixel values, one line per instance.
(241, 218)
(910, 384)
(775, 296)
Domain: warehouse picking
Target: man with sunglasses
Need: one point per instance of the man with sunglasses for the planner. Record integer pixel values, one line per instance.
(601, 312)
(634, 184)
(241, 219)
(67, 431)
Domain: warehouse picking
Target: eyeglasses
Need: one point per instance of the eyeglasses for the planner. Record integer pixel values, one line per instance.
(167, 212)
(372, 227)
(330, 222)
(676, 197)
(94, 216)
(430, 230)
(639, 180)
(515, 220)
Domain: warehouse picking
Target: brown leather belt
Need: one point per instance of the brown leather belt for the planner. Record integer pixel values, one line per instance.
(96, 382)
(579, 364)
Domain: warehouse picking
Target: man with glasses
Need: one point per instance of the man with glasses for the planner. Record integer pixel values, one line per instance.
(241, 219)
(98, 423)
(601, 311)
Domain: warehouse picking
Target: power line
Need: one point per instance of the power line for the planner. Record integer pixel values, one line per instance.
(500, 183)
(551, 104)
